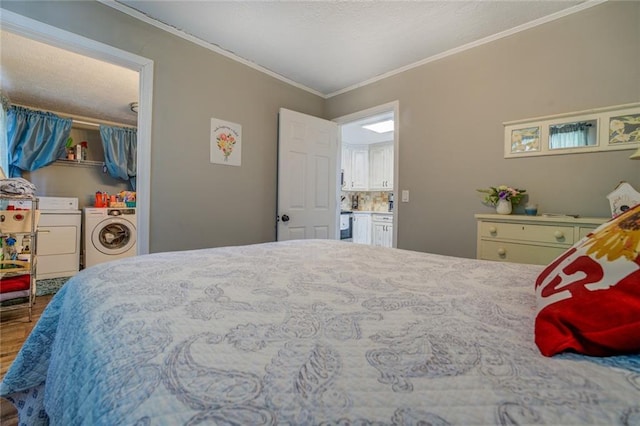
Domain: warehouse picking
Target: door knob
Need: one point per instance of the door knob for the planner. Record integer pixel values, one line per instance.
(285, 218)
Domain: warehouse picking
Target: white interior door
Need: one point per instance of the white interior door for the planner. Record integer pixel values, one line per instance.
(307, 177)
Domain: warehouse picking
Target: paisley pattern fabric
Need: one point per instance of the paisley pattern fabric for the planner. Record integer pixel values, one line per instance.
(308, 332)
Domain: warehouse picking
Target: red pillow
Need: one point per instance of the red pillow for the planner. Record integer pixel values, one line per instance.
(589, 297)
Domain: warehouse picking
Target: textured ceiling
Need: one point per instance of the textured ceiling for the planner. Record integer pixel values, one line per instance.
(330, 46)
(39, 75)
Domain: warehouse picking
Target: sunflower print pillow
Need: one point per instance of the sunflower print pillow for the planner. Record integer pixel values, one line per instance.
(589, 297)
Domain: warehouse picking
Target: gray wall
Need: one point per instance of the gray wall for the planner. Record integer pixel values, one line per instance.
(194, 203)
(451, 115)
(452, 110)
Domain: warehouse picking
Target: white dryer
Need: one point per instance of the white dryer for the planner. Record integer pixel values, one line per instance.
(109, 234)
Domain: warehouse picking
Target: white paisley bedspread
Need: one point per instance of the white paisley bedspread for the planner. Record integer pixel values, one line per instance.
(307, 332)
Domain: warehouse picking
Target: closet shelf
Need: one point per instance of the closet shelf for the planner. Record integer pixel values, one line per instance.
(85, 163)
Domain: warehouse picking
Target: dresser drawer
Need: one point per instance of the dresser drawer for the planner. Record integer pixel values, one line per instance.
(584, 231)
(518, 252)
(527, 232)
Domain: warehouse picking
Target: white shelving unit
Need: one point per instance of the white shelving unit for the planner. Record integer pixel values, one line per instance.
(23, 224)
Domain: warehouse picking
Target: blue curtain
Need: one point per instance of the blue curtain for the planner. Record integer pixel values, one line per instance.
(120, 152)
(4, 147)
(35, 139)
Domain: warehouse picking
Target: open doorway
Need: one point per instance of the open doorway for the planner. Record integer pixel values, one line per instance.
(368, 175)
(56, 37)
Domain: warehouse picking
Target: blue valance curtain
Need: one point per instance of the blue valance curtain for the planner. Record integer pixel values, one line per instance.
(35, 139)
(4, 147)
(120, 152)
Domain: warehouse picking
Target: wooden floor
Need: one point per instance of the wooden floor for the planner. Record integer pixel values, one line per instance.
(14, 329)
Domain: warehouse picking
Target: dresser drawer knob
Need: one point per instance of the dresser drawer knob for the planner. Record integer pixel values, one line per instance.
(559, 235)
(502, 251)
(493, 229)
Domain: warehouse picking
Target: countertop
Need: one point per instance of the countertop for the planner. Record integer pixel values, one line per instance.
(366, 212)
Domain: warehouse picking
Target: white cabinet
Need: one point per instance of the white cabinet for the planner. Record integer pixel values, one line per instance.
(382, 230)
(381, 167)
(362, 228)
(529, 239)
(346, 167)
(355, 164)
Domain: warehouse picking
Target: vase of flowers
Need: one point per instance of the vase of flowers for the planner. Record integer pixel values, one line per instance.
(503, 197)
(504, 207)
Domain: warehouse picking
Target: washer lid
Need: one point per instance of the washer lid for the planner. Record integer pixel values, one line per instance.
(113, 236)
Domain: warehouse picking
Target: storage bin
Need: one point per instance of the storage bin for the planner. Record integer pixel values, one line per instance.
(16, 221)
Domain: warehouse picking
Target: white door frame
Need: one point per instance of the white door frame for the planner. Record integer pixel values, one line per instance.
(57, 37)
(390, 106)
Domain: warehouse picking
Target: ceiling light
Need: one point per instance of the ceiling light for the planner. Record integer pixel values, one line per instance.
(381, 126)
(134, 107)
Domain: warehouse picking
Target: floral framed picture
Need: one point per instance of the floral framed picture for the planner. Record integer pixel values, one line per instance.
(624, 129)
(226, 142)
(525, 139)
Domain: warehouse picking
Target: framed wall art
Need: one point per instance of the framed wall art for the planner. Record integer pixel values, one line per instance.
(525, 139)
(226, 142)
(602, 129)
(624, 129)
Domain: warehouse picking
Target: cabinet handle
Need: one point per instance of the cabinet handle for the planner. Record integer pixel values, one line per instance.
(559, 235)
(501, 251)
(493, 229)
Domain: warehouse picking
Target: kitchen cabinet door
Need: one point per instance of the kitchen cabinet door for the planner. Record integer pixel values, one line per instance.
(382, 234)
(355, 166)
(360, 168)
(381, 167)
(362, 228)
(346, 167)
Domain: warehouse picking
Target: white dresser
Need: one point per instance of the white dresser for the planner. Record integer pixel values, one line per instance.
(530, 239)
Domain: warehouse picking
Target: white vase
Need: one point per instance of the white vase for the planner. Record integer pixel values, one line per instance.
(503, 207)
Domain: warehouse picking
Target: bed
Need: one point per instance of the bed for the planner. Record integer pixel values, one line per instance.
(307, 332)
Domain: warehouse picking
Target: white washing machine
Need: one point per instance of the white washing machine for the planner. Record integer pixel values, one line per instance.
(109, 234)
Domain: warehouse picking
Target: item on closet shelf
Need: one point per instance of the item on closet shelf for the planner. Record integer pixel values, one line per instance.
(101, 199)
(84, 145)
(70, 150)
